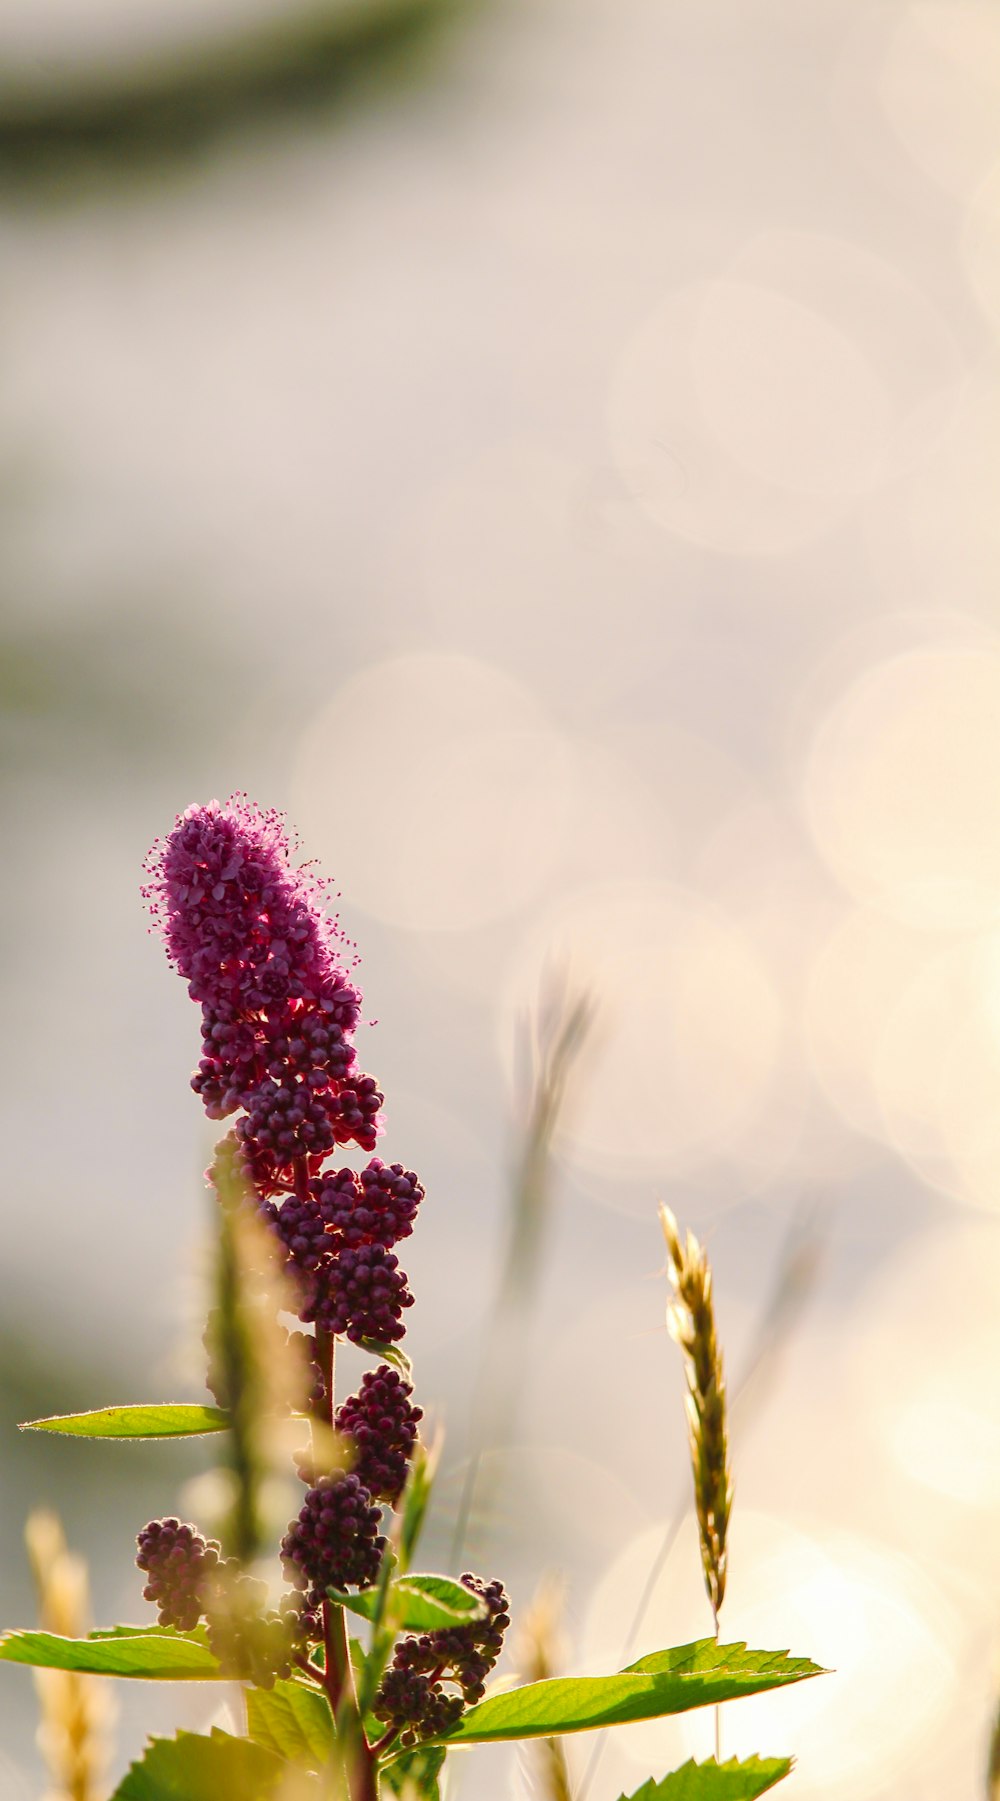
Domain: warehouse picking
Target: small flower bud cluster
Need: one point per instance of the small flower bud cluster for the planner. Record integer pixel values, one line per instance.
(411, 1697)
(337, 1238)
(335, 1542)
(177, 1562)
(376, 1206)
(359, 1294)
(381, 1421)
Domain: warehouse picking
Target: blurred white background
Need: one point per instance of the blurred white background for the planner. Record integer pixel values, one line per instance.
(560, 469)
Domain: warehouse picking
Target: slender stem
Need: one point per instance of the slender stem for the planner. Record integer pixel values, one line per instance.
(338, 1657)
(382, 1745)
(353, 1758)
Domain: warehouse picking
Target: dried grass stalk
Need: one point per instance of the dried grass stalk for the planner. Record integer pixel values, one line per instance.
(993, 1762)
(691, 1319)
(540, 1655)
(77, 1712)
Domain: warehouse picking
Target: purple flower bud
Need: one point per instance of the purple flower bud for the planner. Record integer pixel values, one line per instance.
(335, 1542)
(177, 1561)
(377, 1206)
(359, 1294)
(354, 1112)
(382, 1422)
(411, 1695)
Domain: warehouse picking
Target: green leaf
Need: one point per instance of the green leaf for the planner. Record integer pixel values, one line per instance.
(415, 1771)
(695, 1675)
(389, 1353)
(174, 1419)
(706, 1654)
(417, 1603)
(156, 1654)
(732, 1781)
(192, 1768)
(415, 1500)
(293, 1720)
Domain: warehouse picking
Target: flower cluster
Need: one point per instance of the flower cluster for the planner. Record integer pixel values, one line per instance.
(249, 933)
(176, 1560)
(189, 1581)
(412, 1697)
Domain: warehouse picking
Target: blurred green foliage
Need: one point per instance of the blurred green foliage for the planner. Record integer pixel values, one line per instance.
(127, 120)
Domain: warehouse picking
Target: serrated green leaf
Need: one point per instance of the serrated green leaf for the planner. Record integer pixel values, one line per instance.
(389, 1353)
(732, 1781)
(417, 1603)
(293, 1720)
(193, 1768)
(416, 1772)
(707, 1654)
(173, 1419)
(157, 1654)
(687, 1676)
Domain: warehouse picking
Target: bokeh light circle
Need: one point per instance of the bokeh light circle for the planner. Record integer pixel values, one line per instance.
(682, 1056)
(749, 411)
(438, 790)
(823, 1592)
(902, 786)
(927, 1387)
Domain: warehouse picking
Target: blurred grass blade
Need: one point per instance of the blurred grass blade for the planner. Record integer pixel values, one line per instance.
(171, 1419)
(107, 117)
(256, 1371)
(540, 1655)
(77, 1712)
(548, 1046)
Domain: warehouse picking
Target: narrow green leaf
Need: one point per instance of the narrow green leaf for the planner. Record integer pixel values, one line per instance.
(695, 1675)
(159, 1654)
(732, 1781)
(417, 1603)
(174, 1419)
(415, 1499)
(292, 1720)
(389, 1353)
(192, 1768)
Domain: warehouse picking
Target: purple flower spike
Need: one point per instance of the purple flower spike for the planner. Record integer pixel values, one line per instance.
(244, 926)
